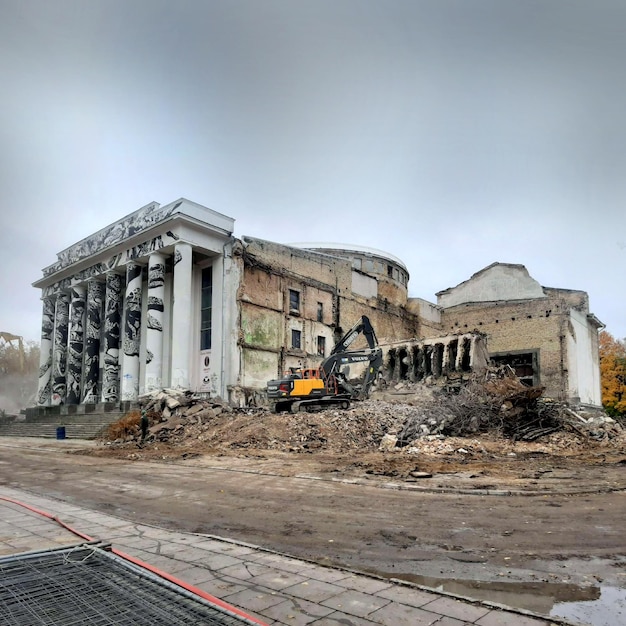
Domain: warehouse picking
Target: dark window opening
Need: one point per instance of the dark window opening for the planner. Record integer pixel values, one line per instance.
(454, 349)
(524, 365)
(294, 301)
(206, 306)
(390, 271)
(321, 345)
(296, 339)
(428, 360)
(320, 311)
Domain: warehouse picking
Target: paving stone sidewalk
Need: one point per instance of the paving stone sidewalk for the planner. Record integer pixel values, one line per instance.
(272, 587)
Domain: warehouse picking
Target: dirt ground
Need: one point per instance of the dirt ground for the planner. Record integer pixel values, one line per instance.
(347, 445)
(481, 515)
(559, 542)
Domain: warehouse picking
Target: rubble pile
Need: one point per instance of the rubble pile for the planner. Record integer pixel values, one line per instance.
(496, 403)
(178, 418)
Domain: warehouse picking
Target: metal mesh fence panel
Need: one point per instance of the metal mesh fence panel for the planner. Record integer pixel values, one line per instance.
(86, 585)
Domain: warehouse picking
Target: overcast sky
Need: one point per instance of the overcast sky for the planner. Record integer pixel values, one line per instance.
(450, 133)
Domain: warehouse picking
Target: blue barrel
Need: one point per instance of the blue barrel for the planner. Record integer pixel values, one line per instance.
(60, 432)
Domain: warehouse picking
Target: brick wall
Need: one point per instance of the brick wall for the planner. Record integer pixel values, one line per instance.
(524, 325)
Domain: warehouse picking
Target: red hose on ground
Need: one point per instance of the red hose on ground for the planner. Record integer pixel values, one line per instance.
(181, 583)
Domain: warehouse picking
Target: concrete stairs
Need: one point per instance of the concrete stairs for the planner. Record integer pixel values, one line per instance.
(77, 426)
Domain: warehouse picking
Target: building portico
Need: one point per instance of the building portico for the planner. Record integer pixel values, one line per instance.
(121, 317)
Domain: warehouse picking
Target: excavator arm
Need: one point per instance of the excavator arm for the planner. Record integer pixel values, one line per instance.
(331, 367)
(363, 326)
(9, 338)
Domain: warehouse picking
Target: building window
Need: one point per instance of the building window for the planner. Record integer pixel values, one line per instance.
(321, 345)
(294, 301)
(524, 364)
(206, 305)
(390, 271)
(296, 338)
(320, 311)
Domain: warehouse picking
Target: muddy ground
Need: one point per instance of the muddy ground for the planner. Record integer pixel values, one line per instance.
(483, 515)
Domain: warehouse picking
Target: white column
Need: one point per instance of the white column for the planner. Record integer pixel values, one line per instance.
(132, 333)
(181, 316)
(76, 345)
(45, 352)
(154, 323)
(91, 371)
(59, 356)
(111, 338)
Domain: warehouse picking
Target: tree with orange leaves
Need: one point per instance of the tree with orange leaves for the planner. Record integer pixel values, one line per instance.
(613, 374)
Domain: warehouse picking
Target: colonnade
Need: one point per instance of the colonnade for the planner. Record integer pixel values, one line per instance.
(436, 357)
(96, 326)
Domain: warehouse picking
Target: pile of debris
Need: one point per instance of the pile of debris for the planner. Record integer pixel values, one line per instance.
(496, 403)
(178, 418)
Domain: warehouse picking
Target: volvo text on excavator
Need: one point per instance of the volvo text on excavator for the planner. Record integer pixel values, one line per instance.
(328, 386)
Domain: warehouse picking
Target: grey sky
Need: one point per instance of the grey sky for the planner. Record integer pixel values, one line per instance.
(450, 133)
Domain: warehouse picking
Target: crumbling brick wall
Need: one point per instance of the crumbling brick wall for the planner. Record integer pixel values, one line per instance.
(328, 307)
(524, 325)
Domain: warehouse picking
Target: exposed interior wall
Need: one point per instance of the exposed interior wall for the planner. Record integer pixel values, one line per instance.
(499, 281)
(583, 368)
(327, 307)
(429, 315)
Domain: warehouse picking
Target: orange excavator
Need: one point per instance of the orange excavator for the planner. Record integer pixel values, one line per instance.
(315, 389)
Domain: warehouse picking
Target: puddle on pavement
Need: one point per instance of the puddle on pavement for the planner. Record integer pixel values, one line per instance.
(593, 605)
(608, 610)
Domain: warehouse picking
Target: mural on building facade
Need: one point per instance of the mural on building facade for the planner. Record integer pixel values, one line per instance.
(131, 342)
(132, 321)
(92, 341)
(59, 357)
(75, 346)
(154, 322)
(111, 338)
(45, 364)
(114, 234)
(156, 282)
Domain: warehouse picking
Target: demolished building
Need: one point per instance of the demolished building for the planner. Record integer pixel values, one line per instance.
(168, 297)
(547, 335)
